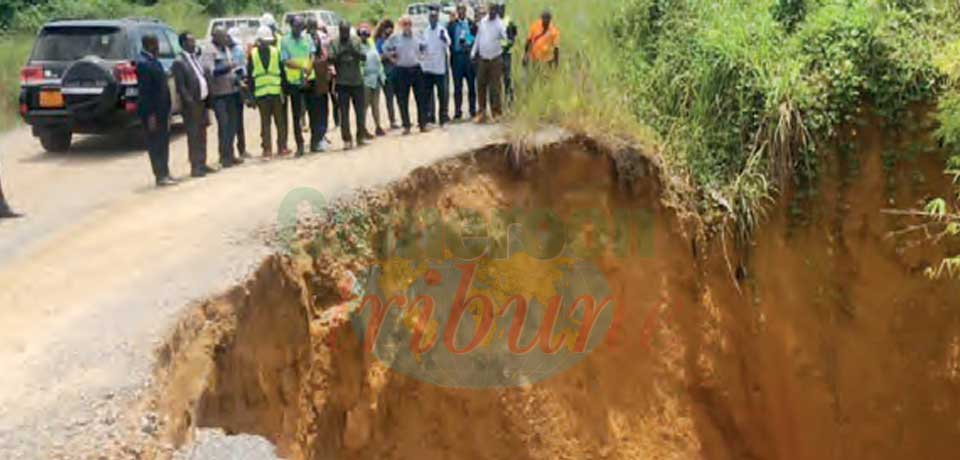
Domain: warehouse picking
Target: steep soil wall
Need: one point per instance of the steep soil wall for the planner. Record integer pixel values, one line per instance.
(822, 339)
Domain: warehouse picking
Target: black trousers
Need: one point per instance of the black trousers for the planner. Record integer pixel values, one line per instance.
(225, 109)
(507, 77)
(158, 146)
(435, 96)
(195, 120)
(347, 95)
(298, 105)
(463, 72)
(318, 105)
(241, 133)
(409, 79)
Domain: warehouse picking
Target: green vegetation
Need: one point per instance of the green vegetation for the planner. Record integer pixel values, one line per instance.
(588, 92)
(744, 98)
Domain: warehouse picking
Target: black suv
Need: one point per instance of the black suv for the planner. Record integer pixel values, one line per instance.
(82, 78)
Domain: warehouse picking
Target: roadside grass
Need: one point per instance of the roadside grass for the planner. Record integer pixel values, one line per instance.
(588, 91)
(13, 54)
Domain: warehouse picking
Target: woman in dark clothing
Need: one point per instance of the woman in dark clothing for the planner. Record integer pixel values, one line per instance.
(383, 32)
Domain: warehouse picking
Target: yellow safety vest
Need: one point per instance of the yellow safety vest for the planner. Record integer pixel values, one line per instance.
(266, 80)
(295, 76)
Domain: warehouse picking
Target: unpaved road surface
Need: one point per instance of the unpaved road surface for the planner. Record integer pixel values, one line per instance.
(95, 276)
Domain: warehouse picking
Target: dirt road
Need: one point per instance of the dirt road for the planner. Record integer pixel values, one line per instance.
(104, 263)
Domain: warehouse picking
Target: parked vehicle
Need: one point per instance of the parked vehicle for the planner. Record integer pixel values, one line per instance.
(81, 77)
(329, 18)
(246, 26)
(420, 12)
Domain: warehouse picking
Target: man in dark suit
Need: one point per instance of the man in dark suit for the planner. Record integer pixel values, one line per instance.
(193, 91)
(5, 211)
(153, 107)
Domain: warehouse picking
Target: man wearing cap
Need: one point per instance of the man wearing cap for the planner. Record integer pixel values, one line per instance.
(461, 35)
(348, 58)
(191, 84)
(488, 54)
(404, 50)
(434, 65)
(265, 82)
(543, 42)
(296, 53)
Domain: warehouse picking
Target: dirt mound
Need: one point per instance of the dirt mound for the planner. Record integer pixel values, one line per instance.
(820, 340)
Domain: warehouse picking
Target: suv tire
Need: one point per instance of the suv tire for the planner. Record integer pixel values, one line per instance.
(56, 141)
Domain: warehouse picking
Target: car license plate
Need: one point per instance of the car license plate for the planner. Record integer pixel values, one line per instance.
(51, 99)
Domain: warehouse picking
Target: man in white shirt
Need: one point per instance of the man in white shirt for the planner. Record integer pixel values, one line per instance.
(487, 53)
(434, 66)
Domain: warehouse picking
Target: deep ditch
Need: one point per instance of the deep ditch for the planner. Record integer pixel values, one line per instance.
(820, 340)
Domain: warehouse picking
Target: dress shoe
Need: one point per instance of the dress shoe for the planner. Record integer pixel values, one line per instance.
(208, 170)
(406, 131)
(381, 132)
(166, 182)
(7, 213)
(284, 152)
(424, 129)
(198, 173)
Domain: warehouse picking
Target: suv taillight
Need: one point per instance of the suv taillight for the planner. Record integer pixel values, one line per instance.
(126, 73)
(31, 75)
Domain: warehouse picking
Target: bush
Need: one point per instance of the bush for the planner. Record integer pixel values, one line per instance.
(740, 88)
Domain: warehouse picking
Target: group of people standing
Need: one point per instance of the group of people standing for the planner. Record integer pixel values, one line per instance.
(306, 71)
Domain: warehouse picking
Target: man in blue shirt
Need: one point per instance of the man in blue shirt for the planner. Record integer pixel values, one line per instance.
(153, 108)
(405, 51)
(461, 36)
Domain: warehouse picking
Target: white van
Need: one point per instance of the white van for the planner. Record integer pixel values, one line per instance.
(246, 25)
(329, 18)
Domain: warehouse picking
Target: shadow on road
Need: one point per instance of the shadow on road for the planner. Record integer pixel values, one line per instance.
(101, 148)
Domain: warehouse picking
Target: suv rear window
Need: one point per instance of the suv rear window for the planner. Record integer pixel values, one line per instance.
(73, 43)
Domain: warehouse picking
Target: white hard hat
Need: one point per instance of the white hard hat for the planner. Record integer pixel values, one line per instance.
(234, 34)
(268, 20)
(265, 34)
